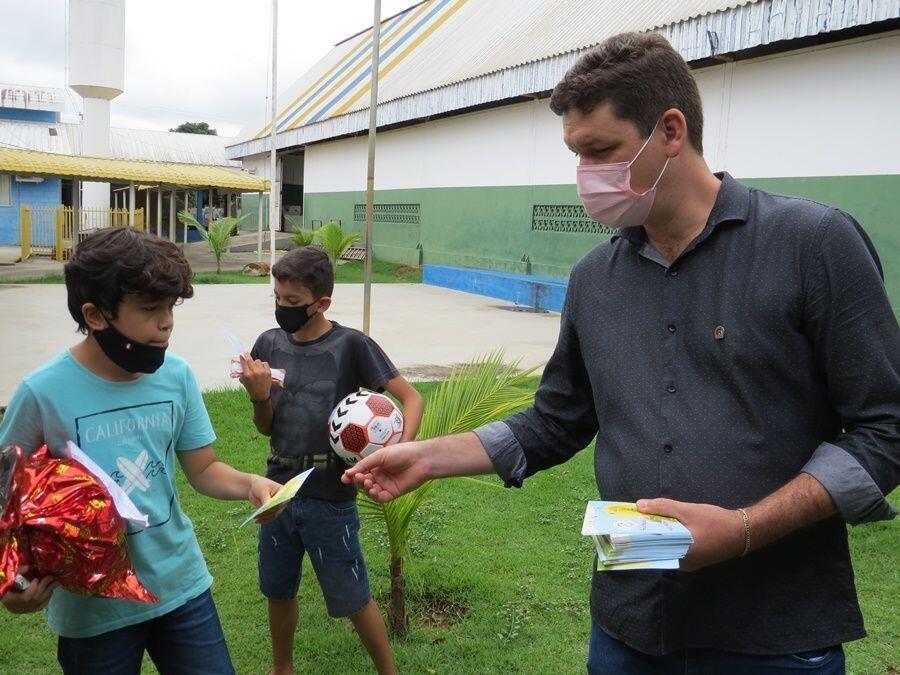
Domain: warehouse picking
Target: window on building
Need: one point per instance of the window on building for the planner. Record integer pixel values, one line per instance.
(4, 189)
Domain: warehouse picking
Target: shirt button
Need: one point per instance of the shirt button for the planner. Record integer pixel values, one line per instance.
(673, 273)
(671, 389)
(667, 447)
(671, 327)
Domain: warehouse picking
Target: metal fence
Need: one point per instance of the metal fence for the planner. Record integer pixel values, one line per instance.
(54, 230)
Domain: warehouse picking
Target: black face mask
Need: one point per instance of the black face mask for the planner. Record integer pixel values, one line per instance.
(292, 319)
(135, 357)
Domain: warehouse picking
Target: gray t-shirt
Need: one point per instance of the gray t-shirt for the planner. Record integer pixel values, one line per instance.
(319, 373)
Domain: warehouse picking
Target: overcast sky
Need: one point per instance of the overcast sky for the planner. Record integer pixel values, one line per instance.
(197, 60)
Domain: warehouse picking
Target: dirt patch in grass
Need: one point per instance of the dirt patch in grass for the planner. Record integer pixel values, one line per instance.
(433, 611)
(427, 373)
(430, 609)
(406, 270)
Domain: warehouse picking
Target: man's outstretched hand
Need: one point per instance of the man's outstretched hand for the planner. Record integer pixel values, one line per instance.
(388, 473)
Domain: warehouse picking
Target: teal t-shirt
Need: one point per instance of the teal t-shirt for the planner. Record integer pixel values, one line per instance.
(132, 430)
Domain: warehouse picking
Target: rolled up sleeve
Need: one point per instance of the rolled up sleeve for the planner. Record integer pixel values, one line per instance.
(857, 497)
(505, 451)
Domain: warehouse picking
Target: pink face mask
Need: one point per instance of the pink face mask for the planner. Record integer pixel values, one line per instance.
(605, 191)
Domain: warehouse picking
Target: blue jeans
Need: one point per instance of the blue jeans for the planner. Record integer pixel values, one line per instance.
(608, 656)
(186, 641)
(328, 531)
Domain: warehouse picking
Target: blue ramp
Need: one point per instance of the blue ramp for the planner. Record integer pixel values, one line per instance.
(527, 290)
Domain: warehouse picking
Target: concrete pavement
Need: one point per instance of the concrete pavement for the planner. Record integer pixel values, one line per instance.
(424, 329)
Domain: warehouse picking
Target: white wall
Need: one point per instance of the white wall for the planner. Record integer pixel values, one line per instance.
(514, 145)
(828, 111)
(816, 112)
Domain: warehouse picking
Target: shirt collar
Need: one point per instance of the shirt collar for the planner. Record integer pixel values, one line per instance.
(732, 205)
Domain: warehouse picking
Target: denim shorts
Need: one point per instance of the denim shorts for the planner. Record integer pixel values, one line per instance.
(186, 641)
(329, 532)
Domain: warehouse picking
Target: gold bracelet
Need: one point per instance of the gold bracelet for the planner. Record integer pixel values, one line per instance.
(746, 531)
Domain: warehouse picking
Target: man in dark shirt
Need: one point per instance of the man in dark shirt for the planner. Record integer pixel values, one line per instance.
(735, 355)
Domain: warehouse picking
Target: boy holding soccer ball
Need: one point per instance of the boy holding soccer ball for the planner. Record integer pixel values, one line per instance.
(324, 362)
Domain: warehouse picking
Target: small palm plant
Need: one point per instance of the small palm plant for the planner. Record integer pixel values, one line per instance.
(334, 241)
(300, 237)
(478, 392)
(217, 236)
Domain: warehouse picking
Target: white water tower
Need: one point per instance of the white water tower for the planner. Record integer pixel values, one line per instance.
(97, 74)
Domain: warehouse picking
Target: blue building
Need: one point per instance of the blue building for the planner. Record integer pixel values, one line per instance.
(30, 121)
(27, 107)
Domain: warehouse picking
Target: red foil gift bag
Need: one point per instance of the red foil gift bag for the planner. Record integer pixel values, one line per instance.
(61, 520)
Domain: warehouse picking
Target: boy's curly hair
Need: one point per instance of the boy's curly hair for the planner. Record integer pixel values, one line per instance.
(120, 261)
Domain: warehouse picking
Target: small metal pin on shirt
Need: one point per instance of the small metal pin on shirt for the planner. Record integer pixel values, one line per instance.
(720, 333)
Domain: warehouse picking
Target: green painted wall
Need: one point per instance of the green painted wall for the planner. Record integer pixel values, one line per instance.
(487, 227)
(490, 227)
(249, 205)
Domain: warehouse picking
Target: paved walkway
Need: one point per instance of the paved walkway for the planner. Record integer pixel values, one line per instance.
(425, 330)
(196, 252)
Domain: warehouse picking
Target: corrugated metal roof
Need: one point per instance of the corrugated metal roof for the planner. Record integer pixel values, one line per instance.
(170, 146)
(491, 50)
(47, 164)
(440, 42)
(137, 144)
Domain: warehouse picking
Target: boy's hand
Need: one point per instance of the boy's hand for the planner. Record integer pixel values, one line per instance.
(262, 490)
(32, 599)
(256, 377)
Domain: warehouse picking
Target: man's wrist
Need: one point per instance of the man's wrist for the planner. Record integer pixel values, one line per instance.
(425, 457)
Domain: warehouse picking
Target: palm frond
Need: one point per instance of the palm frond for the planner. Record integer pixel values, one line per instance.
(300, 237)
(334, 241)
(478, 392)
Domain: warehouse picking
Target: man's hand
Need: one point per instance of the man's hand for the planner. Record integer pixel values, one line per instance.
(256, 376)
(390, 472)
(32, 599)
(261, 490)
(718, 533)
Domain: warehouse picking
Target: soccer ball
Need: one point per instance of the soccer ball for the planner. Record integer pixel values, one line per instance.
(363, 423)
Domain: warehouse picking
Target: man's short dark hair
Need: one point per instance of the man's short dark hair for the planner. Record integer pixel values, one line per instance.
(121, 261)
(308, 266)
(641, 75)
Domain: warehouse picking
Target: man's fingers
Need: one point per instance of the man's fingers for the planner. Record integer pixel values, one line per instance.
(366, 464)
(660, 507)
(380, 495)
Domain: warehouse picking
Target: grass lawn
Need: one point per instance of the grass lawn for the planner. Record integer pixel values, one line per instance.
(349, 273)
(499, 579)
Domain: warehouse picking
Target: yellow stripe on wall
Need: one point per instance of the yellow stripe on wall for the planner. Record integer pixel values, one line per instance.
(324, 77)
(388, 68)
(311, 108)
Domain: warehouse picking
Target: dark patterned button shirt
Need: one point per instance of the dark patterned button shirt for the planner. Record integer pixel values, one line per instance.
(766, 349)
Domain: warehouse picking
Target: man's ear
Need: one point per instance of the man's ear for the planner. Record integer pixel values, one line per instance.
(674, 126)
(93, 317)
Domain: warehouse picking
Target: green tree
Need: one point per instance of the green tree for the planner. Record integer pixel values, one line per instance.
(217, 236)
(332, 239)
(479, 392)
(300, 237)
(195, 128)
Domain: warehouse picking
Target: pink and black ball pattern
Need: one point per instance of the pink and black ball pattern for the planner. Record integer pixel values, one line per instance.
(363, 423)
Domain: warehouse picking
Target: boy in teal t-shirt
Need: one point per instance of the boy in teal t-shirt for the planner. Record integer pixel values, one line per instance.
(133, 408)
